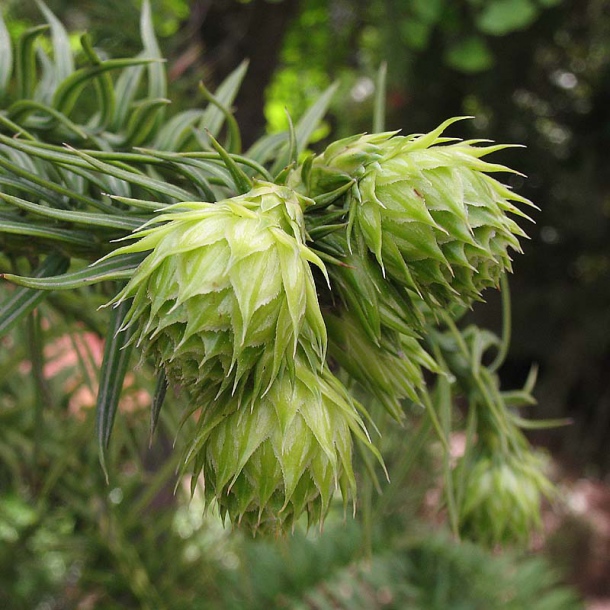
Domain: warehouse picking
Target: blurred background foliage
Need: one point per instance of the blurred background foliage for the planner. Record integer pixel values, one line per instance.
(535, 72)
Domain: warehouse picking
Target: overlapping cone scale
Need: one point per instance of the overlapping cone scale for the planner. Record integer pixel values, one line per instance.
(379, 303)
(502, 495)
(391, 371)
(226, 291)
(269, 460)
(429, 210)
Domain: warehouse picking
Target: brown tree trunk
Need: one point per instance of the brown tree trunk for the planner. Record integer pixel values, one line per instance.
(232, 31)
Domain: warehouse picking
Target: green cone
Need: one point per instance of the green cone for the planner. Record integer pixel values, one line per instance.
(390, 371)
(502, 495)
(226, 294)
(428, 210)
(272, 459)
(380, 304)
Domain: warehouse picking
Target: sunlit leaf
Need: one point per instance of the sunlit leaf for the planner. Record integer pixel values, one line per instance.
(500, 17)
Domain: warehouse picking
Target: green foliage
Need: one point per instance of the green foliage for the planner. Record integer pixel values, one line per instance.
(501, 17)
(319, 44)
(211, 334)
(470, 55)
(243, 261)
(425, 573)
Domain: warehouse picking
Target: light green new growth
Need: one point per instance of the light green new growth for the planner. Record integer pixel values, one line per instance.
(427, 208)
(269, 459)
(226, 295)
(269, 290)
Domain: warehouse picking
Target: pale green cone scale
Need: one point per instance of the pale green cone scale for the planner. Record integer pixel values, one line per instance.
(226, 292)
(433, 201)
(391, 371)
(286, 453)
(502, 495)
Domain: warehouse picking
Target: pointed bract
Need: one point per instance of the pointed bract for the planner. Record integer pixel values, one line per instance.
(430, 199)
(502, 496)
(226, 291)
(281, 455)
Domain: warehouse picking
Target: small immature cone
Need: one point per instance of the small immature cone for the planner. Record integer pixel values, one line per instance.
(391, 371)
(269, 460)
(428, 210)
(226, 294)
(502, 495)
(381, 305)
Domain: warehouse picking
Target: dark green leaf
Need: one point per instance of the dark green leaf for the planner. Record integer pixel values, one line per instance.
(24, 300)
(242, 181)
(14, 128)
(157, 86)
(518, 398)
(177, 130)
(125, 92)
(305, 127)
(117, 352)
(68, 91)
(234, 140)
(265, 148)
(293, 155)
(84, 218)
(26, 61)
(196, 171)
(146, 182)
(103, 85)
(379, 105)
(31, 173)
(22, 108)
(142, 122)
(213, 166)
(157, 80)
(76, 238)
(157, 403)
(117, 267)
(213, 117)
(541, 424)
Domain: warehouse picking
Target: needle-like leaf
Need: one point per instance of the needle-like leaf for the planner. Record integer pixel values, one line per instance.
(118, 267)
(6, 58)
(23, 300)
(117, 352)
